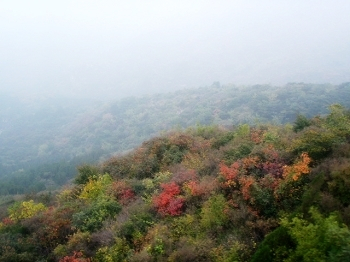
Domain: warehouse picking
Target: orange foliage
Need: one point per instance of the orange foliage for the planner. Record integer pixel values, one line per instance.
(299, 168)
(246, 182)
(235, 178)
(229, 173)
(194, 188)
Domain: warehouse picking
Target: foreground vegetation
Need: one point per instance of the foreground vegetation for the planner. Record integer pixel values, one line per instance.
(247, 193)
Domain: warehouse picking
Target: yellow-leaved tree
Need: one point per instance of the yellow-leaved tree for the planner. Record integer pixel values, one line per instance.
(25, 209)
(96, 187)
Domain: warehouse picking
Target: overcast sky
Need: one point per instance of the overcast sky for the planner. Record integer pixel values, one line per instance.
(110, 49)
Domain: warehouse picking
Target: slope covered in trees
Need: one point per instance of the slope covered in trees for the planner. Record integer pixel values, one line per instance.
(257, 192)
(42, 142)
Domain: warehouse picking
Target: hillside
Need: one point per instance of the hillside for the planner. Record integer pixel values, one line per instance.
(258, 192)
(42, 141)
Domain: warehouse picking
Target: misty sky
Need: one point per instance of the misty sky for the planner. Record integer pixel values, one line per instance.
(110, 49)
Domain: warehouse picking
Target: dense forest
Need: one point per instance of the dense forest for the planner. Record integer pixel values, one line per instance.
(250, 191)
(43, 140)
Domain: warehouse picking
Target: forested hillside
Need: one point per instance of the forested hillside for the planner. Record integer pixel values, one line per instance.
(42, 141)
(248, 192)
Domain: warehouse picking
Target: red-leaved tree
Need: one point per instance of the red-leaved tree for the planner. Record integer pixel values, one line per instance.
(169, 201)
(76, 257)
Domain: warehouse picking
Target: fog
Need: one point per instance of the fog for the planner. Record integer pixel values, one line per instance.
(111, 49)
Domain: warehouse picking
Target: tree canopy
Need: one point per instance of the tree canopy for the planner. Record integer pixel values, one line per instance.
(258, 192)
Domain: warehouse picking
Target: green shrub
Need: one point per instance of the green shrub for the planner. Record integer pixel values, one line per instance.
(92, 218)
(276, 246)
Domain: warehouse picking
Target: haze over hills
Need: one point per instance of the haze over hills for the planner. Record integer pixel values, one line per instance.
(45, 141)
(115, 146)
(259, 192)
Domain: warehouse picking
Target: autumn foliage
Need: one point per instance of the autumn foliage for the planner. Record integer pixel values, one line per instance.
(169, 201)
(298, 169)
(122, 192)
(203, 194)
(76, 257)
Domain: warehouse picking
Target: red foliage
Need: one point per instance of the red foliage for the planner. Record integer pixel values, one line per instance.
(76, 257)
(126, 195)
(272, 163)
(175, 205)
(235, 176)
(169, 202)
(7, 221)
(266, 172)
(122, 192)
(170, 189)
